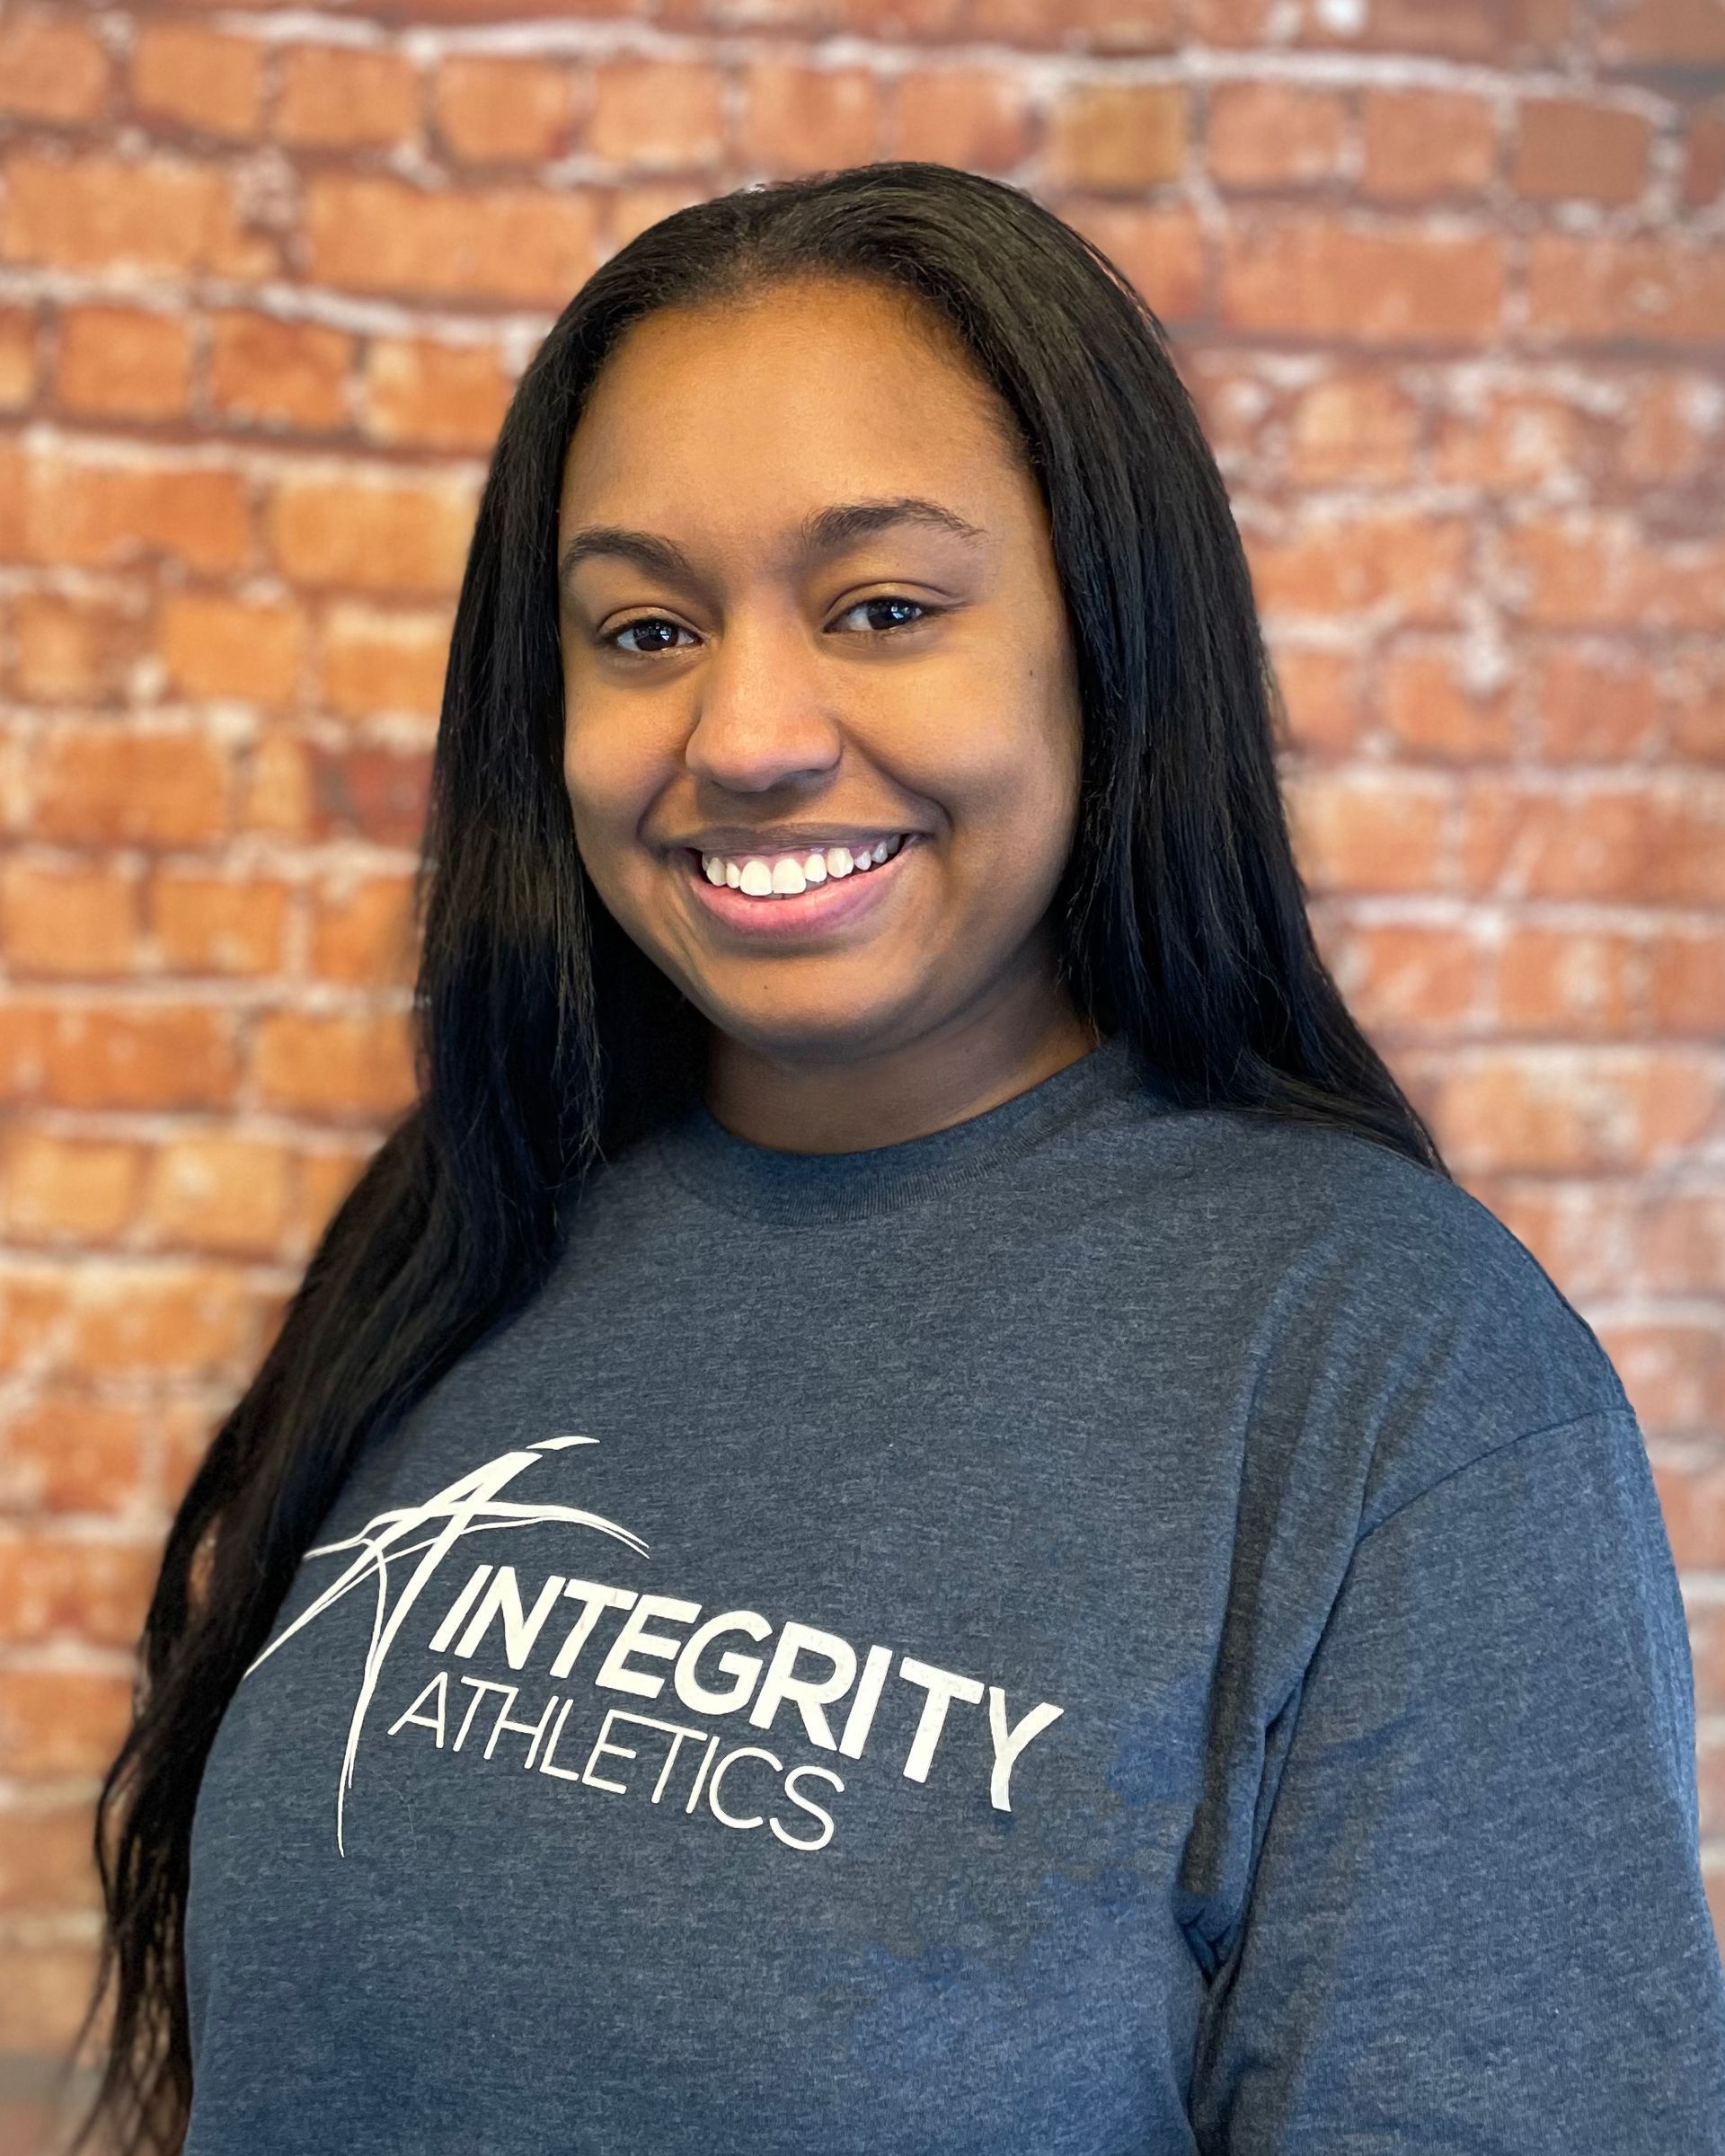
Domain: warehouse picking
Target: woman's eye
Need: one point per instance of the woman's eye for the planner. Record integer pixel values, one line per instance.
(657, 623)
(629, 628)
(889, 600)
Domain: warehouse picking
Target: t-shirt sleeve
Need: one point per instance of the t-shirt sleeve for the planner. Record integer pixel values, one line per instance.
(1477, 1920)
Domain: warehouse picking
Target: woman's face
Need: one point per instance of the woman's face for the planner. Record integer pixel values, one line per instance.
(749, 673)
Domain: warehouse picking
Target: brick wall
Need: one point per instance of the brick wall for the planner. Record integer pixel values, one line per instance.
(1447, 278)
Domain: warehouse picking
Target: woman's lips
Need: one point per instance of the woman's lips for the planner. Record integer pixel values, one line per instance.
(834, 904)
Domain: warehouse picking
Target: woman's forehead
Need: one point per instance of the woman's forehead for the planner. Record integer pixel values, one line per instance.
(840, 360)
(726, 424)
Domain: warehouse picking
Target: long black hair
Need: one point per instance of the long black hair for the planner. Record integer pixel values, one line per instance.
(546, 1042)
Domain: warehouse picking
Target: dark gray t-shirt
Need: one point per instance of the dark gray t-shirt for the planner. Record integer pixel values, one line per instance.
(1105, 1628)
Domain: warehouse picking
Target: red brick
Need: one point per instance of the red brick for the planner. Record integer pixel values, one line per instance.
(918, 21)
(47, 1861)
(1698, 707)
(1664, 33)
(1683, 1248)
(153, 1056)
(218, 924)
(1507, 440)
(1567, 1110)
(64, 918)
(95, 786)
(80, 512)
(1707, 1654)
(1161, 250)
(1704, 159)
(105, 212)
(1358, 833)
(1431, 710)
(1583, 1232)
(1414, 565)
(979, 118)
(61, 1722)
(184, 1434)
(24, 1044)
(364, 936)
(335, 97)
(1691, 1493)
(214, 645)
(1670, 430)
(198, 78)
(123, 362)
(496, 110)
(17, 368)
(444, 396)
(277, 792)
(527, 245)
(69, 1451)
(284, 374)
(218, 1193)
(1689, 845)
(1238, 407)
(335, 1065)
(1117, 137)
(170, 1320)
(1104, 26)
(1495, 30)
(1274, 135)
(657, 115)
(1686, 981)
(1231, 22)
(44, 1990)
(52, 68)
(1674, 1372)
(797, 118)
(1591, 841)
(1408, 978)
(389, 535)
(1591, 288)
(18, 471)
(1592, 708)
(35, 1311)
(1573, 147)
(58, 1187)
(372, 661)
(75, 647)
(325, 1180)
(375, 791)
(1422, 145)
(1307, 275)
(1577, 569)
(1354, 429)
(1568, 982)
(55, 1589)
(18, 467)
(1323, 695)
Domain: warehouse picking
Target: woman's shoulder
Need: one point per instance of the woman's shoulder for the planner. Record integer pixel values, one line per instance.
(1304, 1183)
(1363, 1280)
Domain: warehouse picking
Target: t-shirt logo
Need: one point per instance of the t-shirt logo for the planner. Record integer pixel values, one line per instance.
(808, 1671)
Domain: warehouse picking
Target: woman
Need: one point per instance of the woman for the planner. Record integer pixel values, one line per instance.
(906, 1513)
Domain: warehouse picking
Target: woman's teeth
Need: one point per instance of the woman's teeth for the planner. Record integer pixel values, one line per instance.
(788, 873)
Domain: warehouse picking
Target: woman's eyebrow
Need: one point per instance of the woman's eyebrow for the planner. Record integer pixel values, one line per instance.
(823, 532)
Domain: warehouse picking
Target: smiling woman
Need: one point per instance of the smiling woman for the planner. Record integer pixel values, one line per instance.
(906, 1513)
(733, 438)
